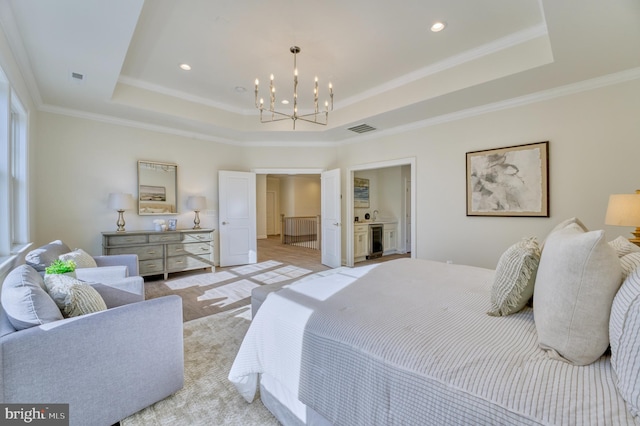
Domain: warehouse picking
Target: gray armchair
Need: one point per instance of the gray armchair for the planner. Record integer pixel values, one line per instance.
(106, 365)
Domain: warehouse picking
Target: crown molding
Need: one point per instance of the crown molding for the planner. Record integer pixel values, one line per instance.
(566, 90)
(8, 23)
(130, 81)
(451, 62)
(134, 123)
(545, 95)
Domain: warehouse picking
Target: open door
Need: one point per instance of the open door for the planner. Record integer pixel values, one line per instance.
(331, 219)
(237, 218)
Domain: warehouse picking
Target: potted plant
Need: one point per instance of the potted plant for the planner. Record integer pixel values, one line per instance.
(59, 266)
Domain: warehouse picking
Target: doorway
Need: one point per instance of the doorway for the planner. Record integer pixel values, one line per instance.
(403, 209)
(304, 197)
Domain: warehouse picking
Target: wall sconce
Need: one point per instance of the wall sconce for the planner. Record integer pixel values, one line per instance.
(120, 202)
(624, 210)
(196, 203)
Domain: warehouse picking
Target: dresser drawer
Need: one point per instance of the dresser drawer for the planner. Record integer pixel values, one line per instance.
(121, 240)
(179, 263)
(193, 237)
(143, 252)
(361, 228)
(149, 267)
(191, 248)
(163, 238)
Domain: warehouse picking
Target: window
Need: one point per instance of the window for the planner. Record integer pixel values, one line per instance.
(14, 217)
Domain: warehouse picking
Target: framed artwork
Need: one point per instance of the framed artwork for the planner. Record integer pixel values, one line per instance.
(360, 193)
(173, 223)
(510, 181)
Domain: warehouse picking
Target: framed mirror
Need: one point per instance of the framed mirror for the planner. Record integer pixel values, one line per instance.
(157, 188)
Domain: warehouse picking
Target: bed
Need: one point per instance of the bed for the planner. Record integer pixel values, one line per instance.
(410, 342)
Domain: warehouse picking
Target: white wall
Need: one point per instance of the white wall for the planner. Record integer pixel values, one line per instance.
(79, 162)
(594, 146)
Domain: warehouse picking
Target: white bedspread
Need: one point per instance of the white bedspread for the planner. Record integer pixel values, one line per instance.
(273, 343)
(458, 365)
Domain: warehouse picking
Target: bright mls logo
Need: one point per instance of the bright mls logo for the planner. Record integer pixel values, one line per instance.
(35, 414)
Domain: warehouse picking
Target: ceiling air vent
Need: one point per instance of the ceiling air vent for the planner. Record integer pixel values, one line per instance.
(361, 128)
(77, 77)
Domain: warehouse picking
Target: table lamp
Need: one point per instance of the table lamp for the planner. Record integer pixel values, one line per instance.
(624, 210)
(120, 202)
(196, 203)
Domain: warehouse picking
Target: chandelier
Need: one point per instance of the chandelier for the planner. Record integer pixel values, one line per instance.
(269, 113)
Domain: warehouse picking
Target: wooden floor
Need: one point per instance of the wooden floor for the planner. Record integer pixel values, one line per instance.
(195, 302)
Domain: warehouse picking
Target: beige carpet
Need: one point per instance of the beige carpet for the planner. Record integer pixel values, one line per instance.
(208, 398)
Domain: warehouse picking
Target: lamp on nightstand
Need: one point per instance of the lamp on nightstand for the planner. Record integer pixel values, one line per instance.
(624, 210)
(120, 202)
(196, 203)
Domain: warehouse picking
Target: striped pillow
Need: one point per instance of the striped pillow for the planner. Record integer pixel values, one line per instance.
(73, 297)
(623, 246)
(624, 335)
(515, 276)
(630, 263)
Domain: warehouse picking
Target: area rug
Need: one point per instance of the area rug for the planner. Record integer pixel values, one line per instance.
(208, 398)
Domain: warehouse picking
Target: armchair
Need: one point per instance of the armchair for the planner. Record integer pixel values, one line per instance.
(106, 365)
(120, 271)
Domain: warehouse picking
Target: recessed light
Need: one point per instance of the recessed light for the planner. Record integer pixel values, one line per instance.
(240, 89)
(438, 26)
(185, 67)
(285, 102)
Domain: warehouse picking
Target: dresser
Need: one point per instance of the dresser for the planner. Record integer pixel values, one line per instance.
(163, 252)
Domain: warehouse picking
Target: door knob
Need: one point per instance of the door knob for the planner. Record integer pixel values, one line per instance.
(336, 224)
(225, 223)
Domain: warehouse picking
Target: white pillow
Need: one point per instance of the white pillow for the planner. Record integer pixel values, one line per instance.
(573, 221)
(624, 331)
(623, 246)
(81, 258)
(514, 278)
(73, 297)
(578, 277)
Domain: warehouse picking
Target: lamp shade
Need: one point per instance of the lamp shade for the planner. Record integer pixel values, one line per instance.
(120, 201)
(196, 203)
(623, 210)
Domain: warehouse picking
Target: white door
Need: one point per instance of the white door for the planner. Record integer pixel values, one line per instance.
(407, 217)
(237, 218)
(331, 219)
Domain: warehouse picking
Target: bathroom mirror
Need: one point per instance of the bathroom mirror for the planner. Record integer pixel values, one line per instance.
(157, 188)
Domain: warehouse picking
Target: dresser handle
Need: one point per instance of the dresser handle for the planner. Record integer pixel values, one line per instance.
(179, 261)
(151, 252)
(151, 266)
(179, 249)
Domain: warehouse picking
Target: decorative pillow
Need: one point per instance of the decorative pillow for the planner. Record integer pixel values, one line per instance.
(624, 331)
(25, 300)
(623, 246)
(578, 277)
(514, 278)
(81, 258)
(564, 224)
(629, 263)
(42, 257)
(73, 297)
